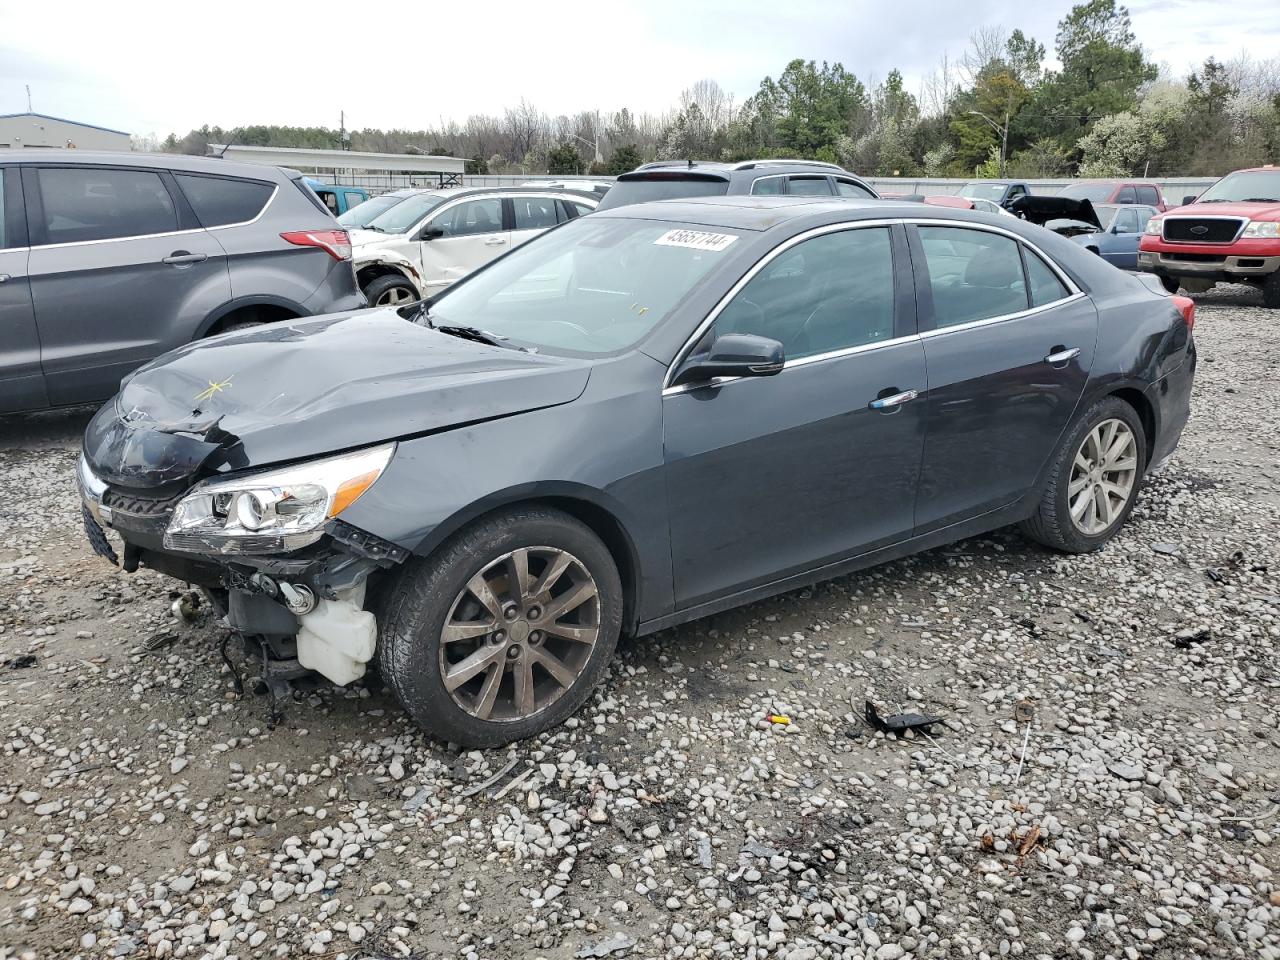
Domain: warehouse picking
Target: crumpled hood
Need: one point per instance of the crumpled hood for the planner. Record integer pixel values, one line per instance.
(1041, 209)
(309, 388)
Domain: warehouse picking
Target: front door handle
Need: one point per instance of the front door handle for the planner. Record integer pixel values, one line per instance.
(1062, 355)
(179, 257)
(495, 241)
(894, 400)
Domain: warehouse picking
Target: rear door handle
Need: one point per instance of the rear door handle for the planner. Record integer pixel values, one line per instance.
(179, 257)
(893, 400)
(495, 241)
(1062, 356)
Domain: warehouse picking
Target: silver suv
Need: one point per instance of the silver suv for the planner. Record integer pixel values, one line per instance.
(110, 259)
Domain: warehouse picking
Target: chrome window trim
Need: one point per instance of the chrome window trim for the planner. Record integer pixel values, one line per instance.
(1165, 218)
(682, 354)
(798, 362)
(710, 318)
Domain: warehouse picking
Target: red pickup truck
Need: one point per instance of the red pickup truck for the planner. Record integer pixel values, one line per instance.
(1230, 234)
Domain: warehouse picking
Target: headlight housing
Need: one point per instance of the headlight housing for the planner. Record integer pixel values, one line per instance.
(275, 511)
(1265, 229)
(1155, 226)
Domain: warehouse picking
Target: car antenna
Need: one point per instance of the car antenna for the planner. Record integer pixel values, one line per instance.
(230, 142)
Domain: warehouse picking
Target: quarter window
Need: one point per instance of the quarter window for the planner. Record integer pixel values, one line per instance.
(93, 203)
(829, 293)
(1044, 283)
(973, 274)
(472, 217)
(218, 201)
(534, 213)
(847, 188)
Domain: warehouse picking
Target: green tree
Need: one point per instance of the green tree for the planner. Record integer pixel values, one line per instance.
(477, 166)
(1119, 145)
(625, 159)
(807, 108)
(564, 158)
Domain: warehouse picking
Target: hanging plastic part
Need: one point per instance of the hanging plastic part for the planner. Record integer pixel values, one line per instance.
(338, 638)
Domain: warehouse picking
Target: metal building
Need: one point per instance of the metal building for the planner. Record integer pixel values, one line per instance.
(375, 172)
(41, 130)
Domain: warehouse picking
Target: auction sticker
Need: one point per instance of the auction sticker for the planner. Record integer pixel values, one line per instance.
(696, 239)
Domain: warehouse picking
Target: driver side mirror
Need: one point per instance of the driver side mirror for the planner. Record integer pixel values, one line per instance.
(1189, 198)
(733, 355)
(430, 232)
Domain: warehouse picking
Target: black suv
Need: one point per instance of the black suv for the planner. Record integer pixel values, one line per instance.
(667, 179)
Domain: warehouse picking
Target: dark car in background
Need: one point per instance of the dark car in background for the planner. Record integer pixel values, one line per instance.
(641, 417)
(673, 179)
(110, 259)
(1001, 192)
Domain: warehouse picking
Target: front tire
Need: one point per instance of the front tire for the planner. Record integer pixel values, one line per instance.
(1094, 479)
(390, 290)
(504, 631)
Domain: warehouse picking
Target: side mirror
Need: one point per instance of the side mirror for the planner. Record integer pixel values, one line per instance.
(1115, 228)
(733, 355)
(1189, 198)
(431, 232)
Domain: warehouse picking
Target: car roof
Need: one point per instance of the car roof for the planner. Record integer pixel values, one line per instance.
(178, 161)
(759, 212)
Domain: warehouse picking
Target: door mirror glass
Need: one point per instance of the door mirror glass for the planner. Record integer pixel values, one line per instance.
(431, 231)
(733, 355)
(1189, 198)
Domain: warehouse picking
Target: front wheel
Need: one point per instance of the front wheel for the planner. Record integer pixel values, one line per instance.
(1093, 481)
(390, 291)
(504, 631)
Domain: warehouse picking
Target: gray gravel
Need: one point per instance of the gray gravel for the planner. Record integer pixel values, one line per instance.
(146, 812)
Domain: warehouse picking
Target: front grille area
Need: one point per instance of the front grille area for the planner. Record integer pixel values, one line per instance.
(1201, 229)
(139, 506)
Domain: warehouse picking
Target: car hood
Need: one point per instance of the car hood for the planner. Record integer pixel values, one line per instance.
(1041, 210)
(290, 391)
(1250, 211)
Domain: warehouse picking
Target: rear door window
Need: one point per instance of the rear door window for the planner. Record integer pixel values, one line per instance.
(86, 203)
(218, 201)
(809, 187)
(973, 274)
(534, 213)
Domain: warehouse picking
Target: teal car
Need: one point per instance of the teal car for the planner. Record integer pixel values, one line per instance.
(337, 198)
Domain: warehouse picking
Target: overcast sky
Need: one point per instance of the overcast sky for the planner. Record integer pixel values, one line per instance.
(156, 68)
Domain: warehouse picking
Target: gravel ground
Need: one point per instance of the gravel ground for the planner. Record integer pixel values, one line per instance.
(144, 811)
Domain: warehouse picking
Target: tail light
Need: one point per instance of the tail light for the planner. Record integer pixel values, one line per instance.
(1187, 307)
(336, 243)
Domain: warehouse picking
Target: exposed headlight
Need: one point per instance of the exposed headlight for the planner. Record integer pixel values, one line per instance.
(1155, 225)
(274, 511)
(1269, 229)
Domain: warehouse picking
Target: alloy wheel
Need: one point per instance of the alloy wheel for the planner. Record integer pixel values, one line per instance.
(519, 634)
(395, 297)
(1103, 476)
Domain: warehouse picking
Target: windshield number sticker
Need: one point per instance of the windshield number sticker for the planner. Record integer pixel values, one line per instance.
(696, 240)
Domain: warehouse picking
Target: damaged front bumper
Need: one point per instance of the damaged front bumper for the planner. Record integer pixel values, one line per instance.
(306, 604)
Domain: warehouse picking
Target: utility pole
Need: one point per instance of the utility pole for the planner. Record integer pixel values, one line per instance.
(1003, 131)
(29, 110)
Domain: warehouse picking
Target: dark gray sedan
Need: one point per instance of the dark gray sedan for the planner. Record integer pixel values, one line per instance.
(642, 417)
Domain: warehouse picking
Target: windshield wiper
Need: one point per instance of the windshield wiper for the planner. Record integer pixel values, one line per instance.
(1260, 200)
(477, 335)
(370, 226)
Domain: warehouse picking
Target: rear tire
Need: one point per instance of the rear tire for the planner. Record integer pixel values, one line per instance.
(438, 625)
(1077, 500)
(390, 290)
(1271, 291)
(1170, 284)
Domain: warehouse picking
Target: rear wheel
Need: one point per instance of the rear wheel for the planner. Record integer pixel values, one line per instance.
(1093, 481)
(504, 631)
(390, 290)
(1170, 284)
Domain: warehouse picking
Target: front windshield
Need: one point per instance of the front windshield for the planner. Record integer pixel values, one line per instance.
(985, 191)
(401, 217)
(363, 213)
(593, 286)
(1095, 192)
(1248, 186)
